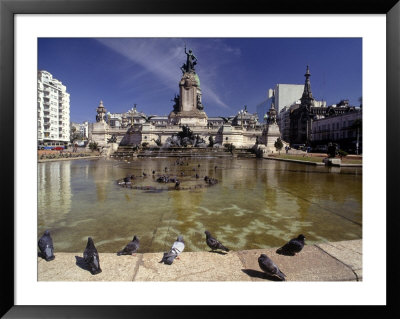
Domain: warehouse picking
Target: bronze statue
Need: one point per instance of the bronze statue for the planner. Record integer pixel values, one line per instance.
(191, 61)
(176, 105)
(199, 104)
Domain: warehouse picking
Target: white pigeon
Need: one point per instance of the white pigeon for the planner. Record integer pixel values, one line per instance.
(177, 247)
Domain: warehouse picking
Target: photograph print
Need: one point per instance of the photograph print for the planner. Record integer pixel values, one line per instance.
(199, 159)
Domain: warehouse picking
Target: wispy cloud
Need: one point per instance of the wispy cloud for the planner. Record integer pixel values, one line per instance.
(161, 58)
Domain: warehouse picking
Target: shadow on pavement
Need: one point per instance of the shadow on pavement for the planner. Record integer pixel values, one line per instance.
(217, 252)
(259, 274)
(80, 262)
(284, 252)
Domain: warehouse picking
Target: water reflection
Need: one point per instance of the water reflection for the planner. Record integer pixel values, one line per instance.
(54, 191)
(257, 203)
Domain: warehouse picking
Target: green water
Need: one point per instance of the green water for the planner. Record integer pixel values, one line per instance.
(256, 204)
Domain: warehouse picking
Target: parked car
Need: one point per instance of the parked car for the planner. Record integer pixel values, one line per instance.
(57, 146)
(321, 148)
(298, 146)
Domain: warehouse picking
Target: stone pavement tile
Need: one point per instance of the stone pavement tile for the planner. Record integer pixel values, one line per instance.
(64, 268)
(192, 266)
(311, 264)
(348, 252)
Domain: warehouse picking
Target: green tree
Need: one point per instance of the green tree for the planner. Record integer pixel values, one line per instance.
(278, 145)
(93, 146)
(342, 153)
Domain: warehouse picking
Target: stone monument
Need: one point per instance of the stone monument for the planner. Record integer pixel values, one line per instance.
(271, 132)
(100, 129)
(188, 107)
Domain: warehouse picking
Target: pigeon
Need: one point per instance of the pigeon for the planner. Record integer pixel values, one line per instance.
(131, 248)
(294, 246)
(268, 266)
(177, 247)
(213, 243)
(46, 246)
(91, 257)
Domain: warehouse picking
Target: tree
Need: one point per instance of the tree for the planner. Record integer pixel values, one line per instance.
(74, 135)
(342, 153)
(93, 146)
(278, 144)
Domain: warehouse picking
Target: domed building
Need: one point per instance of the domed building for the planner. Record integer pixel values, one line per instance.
(134, 128)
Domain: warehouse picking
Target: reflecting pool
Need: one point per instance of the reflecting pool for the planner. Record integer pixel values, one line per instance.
(256, 203)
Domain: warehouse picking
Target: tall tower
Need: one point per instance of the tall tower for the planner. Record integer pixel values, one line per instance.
(307, 98)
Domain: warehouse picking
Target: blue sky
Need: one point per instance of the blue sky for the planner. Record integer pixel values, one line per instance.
(233, 71)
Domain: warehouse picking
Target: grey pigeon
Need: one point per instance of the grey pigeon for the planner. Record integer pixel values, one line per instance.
(268, 266)
(213, 243)
(91, 257)
(46, 246)
(294, 246)
(131, 248)
(177, 247)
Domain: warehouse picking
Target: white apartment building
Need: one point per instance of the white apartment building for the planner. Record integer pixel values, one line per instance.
(53, 109)
(82, 128)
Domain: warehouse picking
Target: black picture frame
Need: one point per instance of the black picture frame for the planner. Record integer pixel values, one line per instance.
(8, 10)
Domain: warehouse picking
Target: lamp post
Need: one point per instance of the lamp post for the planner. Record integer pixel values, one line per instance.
(358, 132)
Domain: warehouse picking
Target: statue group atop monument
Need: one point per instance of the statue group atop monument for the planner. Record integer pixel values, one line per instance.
(191, 61)
(188, 108)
